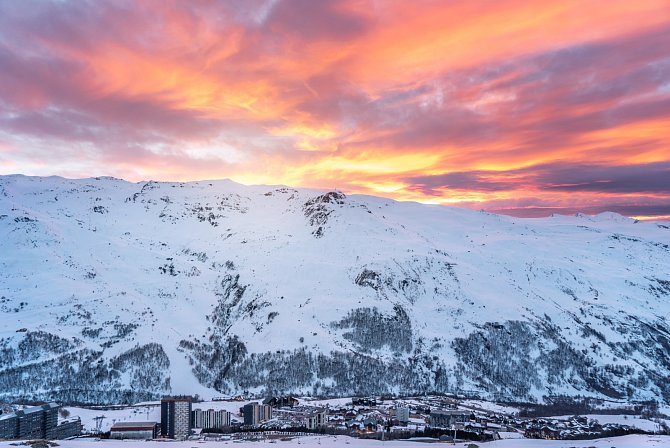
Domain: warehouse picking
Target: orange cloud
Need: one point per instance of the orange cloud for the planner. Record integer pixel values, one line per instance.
(384, 98)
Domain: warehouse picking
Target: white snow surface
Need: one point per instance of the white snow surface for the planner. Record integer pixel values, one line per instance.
(632, 441)
(488, 406)
(84, 254)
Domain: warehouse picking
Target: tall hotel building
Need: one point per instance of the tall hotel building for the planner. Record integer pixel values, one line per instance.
(176, 417)
(210, 419)
(255, 414)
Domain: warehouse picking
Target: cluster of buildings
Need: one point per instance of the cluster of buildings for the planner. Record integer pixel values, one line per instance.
(38, 422)
(440, 417)
(362, 417)
(576, 427)
(297, 416)
(178, 419)
(392, 418)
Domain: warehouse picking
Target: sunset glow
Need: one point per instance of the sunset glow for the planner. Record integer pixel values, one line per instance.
(524, 108)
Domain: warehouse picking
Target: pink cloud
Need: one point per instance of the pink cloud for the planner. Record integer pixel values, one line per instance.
(390, 100)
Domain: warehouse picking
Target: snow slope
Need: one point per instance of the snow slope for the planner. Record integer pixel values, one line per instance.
(634, 441)
(113, 291)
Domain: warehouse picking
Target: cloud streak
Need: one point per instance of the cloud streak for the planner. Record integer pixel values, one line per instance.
(470, 103)
(651, 178)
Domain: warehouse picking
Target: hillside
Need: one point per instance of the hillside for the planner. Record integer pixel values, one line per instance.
(113, 291)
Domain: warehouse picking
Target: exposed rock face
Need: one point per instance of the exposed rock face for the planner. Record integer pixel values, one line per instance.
(318, 209)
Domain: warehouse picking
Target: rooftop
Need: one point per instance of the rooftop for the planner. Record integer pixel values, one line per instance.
(128, 426)
(177, 398)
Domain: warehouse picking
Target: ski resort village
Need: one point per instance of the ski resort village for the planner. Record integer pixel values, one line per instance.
(287, 418)
(334, 223)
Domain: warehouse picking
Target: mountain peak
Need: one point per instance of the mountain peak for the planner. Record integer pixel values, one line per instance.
(211, 287)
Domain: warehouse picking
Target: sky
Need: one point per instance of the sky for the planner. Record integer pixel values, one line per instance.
(518, 107)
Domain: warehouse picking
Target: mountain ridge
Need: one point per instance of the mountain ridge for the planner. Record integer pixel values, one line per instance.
(112, 291)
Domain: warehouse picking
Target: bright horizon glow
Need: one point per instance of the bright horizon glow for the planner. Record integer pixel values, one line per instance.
(515, 108)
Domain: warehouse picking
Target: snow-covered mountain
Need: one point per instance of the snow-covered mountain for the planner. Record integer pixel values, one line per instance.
(113, 291)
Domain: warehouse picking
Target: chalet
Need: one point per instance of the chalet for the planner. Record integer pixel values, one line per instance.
(281, 402)
(368, 401)
(447, 419)
(545, 432)
(316, 419)
(363, 425)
